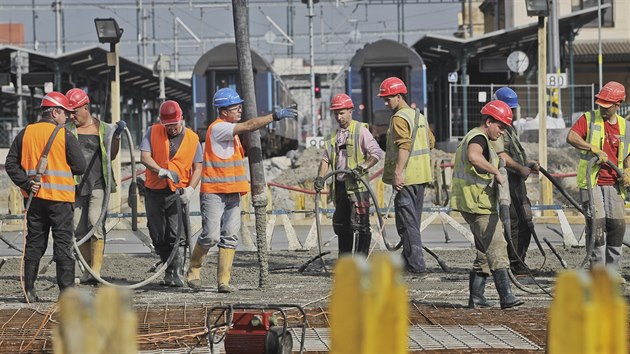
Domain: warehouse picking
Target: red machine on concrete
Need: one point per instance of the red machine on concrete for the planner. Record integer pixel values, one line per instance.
(253, 329)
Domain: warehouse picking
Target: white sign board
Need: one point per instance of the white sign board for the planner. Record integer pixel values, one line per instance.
(315, 142)
(557, 80)
(452, 77)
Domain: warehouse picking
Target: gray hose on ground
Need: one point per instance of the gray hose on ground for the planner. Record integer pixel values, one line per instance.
(75, 243)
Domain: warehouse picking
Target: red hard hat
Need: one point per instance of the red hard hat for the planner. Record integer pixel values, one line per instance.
(498, 110)
(170, 113)
(392, 86)
(56, 99)
(341, 101)
(77, 98)
(613, 92)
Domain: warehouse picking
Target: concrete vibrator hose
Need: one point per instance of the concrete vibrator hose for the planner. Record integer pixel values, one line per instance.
(160, 270)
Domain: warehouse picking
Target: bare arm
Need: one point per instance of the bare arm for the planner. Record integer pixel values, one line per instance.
(196, 175)
(323, 168)
(510, 164)
(399, 172)
(149, 162)
(115, 147)
(476, 158)
(577, 142)
(252, 124)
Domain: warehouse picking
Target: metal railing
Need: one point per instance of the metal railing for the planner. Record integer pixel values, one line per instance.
(465, 103)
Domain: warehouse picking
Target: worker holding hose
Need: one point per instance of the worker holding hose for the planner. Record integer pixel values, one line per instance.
(475, 196)
(605, 134)
(509, 148)
(407, 169)
(46, 179)
(173, 156)
(90, 191)
(351, 146)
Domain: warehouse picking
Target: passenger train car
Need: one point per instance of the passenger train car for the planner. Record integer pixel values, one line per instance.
(362, 77)
(217, 69)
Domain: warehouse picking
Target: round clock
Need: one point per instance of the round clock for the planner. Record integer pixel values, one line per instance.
(518, 61)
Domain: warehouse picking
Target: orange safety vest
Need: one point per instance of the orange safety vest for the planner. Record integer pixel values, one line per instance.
(181, 162)
(223, 175)
(57, 183)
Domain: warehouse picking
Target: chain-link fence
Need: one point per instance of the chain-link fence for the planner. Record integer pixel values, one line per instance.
(465, 103)
(8, 130)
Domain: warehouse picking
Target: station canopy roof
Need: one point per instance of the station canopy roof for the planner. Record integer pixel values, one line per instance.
(438, 49)
(92, 62)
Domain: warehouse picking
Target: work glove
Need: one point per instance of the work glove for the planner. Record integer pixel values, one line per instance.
(359, 171)
(318, 183)
(173, 176)
(288, 112)
(120, 126)
(188, 193)
(602, 157)
(626, 177)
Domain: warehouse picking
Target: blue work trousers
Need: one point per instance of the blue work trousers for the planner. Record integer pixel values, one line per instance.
(408, 203)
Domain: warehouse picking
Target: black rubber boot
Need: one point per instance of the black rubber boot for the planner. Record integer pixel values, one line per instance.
(31, 268)
(178, 269)
(65, 275)
(168, 272)
(502, 283)
(477, 287)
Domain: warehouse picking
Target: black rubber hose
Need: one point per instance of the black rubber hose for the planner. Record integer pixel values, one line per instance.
(563, 263)
(562, 191)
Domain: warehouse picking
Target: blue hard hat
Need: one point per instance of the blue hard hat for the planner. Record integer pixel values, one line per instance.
(226, 97)
(508, 96)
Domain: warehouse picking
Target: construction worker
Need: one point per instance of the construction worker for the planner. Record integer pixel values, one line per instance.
(352, 147)
(509, 148)
(173, 156)
(407, 169)
(605, 134)
(474, 195)
(224, 181)
(50, 183)
(90, 191)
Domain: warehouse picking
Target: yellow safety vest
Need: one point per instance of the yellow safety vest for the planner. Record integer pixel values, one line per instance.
(353, 152)
(595, 136)
(472, 191)
(418, 169)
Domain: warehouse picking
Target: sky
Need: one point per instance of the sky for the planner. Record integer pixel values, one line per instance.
(340, 27)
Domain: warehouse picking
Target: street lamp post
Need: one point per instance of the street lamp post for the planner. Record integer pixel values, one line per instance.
(540, 8)
(108, 32)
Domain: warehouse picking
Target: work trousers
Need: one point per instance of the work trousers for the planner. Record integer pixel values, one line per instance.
(163, 220)
(610, 225)
(489, 242)
(520, 213)
(352, 216)
(87, 209)
(220, 219)
(408, 203)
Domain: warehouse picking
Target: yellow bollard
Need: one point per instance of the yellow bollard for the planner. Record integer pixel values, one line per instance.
(390, 304)
(571, 328)
(588, 314)
(369, 302)
(349, 305)
(105, 323)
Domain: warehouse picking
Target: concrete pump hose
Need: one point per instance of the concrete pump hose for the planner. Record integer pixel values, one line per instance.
(109, 137)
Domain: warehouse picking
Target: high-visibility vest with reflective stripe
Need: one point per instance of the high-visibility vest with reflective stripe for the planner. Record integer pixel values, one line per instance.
(354, 155)
(472, 192)
(57, 183)
(418, 170)
(223, 175)
(180, 163)
(102, 134)
(595, 136)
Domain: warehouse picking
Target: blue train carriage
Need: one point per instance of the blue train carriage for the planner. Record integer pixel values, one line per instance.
(369, 67)
(218, 68)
